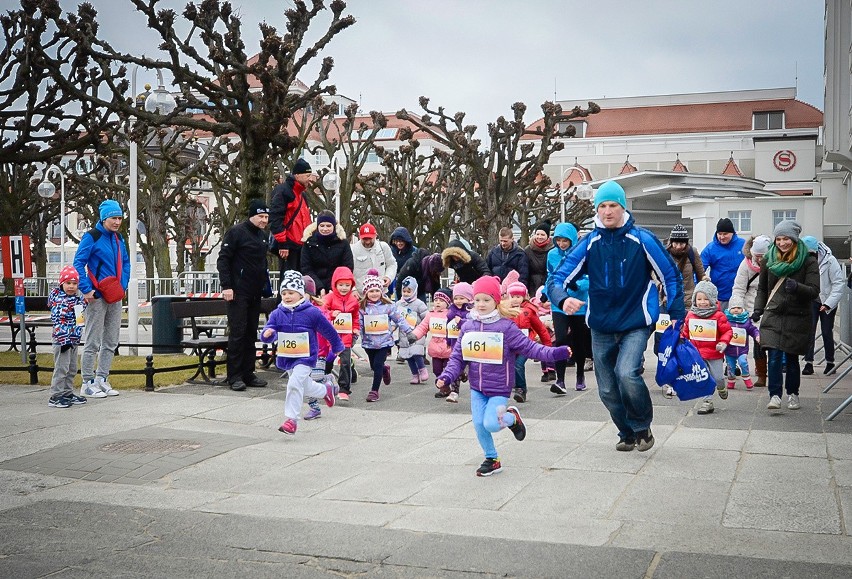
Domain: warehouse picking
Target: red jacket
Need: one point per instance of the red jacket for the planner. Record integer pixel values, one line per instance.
(529, 320)
(334, 302)
(707, 349)
(288, 206)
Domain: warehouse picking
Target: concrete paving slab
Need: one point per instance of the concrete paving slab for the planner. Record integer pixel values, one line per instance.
(305, 478)
(842, 470)
(231, 469)
(690, 463)
(798, 472)
(533, 453)
(603, 458)
(472, 522)
(707, 438)
(678, 565)
(427, 425)
(251, 411)
(845, 496)
(838, 446)
(786, 443)
(460, 488)
(378, 448)
(570, 493)
(445, 451)
(782, 507)
(572, 431)
(701, 502)
(385, 483)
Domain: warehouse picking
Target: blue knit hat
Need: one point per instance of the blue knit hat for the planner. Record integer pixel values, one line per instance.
(110, 208)
(610, 191)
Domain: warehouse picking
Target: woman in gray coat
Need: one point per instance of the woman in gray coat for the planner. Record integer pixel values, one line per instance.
(789, 282)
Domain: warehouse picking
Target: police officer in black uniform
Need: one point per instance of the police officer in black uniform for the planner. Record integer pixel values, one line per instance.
(244, 277)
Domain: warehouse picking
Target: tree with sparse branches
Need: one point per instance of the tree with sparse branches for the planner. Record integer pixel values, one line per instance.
(511, 164)
(223, 91)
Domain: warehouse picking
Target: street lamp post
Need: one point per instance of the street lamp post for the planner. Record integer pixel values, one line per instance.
(160, 102)
(331, 181)
(583, 191)
(47, 190)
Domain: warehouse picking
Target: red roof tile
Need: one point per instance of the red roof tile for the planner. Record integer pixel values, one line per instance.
(679, 167)
(732, 169)
(627, 167)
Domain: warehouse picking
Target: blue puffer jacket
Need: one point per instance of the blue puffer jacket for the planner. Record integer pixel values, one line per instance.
(723, 262)
(303, 318)
(619, 262)
(555, 257)
(101, 257)
(498, 379)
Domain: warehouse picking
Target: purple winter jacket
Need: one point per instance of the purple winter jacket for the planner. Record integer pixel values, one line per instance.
(303, 318)
(750, 329)
(498, 379)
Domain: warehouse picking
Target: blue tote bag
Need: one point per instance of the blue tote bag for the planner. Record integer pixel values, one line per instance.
(680, 364)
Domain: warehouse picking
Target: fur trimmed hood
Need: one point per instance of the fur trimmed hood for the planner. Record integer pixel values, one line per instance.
(453, 255)
(310, 229)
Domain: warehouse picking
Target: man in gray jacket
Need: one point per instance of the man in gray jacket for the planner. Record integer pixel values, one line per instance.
(370, 253)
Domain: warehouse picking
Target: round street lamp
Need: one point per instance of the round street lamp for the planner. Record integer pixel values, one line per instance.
(331, 182)
(584, 191)
(160, 101)
(47, 190)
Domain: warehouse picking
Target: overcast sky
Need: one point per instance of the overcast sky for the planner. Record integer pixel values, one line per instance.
(480, 56)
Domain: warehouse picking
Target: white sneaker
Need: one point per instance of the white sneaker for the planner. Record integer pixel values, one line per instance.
(774, 403)
(668, 392)
(90, 389)
(793, 402)
(453, 397)
(105, 387)
(588, 366)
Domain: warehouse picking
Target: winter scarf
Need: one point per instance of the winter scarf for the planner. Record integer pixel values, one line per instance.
(786, 268)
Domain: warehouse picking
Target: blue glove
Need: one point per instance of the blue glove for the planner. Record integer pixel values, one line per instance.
(790, 284)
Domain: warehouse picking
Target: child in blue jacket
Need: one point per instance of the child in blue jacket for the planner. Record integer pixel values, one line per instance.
(294, 325)
(66, 305)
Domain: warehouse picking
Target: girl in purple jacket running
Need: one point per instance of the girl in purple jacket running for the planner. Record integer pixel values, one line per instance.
(487, 346)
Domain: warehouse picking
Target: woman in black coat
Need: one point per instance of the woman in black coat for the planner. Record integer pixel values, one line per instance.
(468, 265)
(325, 249)
(789, 282)
(540, 244)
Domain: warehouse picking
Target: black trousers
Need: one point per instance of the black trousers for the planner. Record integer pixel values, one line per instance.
(293, 262)
(243, 316)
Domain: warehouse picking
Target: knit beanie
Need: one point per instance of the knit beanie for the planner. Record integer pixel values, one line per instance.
(679, 233)
(443, 295)
(372, 281)
(788, 228)
(110, 208)
(326, 216)
(811, 242)
(68, 273)
(543, 225)
(736, 302)
(708, 289)
(293, 281)
(610, 191)
(725, 225)
(257, 207)
(517, 289)
(488, 285)
(301, 166)
(410, 283)
(760, 245)
(466, 290)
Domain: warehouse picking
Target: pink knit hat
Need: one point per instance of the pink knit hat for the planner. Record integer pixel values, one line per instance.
(488, 285)
(463, 289)
(517, 289)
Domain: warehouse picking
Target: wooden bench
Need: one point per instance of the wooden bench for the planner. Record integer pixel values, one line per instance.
(205, 347)
(32, 320)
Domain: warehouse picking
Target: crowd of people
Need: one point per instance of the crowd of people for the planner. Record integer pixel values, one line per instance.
(564, 300)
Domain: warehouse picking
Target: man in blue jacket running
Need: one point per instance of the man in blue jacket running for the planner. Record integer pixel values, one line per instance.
(722, 257)
(622, 308)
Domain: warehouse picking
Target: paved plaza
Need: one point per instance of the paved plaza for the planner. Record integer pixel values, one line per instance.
(196, 481)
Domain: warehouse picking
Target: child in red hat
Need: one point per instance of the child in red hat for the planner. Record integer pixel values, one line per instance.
(66, 305)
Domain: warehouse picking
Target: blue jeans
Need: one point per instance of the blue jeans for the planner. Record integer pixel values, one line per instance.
(774, 378)
(618, 358)
(521, 373)
(741, 361)
(483, 409)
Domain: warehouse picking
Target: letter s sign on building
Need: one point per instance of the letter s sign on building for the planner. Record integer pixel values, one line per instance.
(784, 160)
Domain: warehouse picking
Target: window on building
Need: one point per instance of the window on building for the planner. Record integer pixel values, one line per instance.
(579, 127)
(741, 220)
(766, 120)
(55, 230)
(779, 215)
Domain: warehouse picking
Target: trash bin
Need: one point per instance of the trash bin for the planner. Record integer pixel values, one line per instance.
(166, 332)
